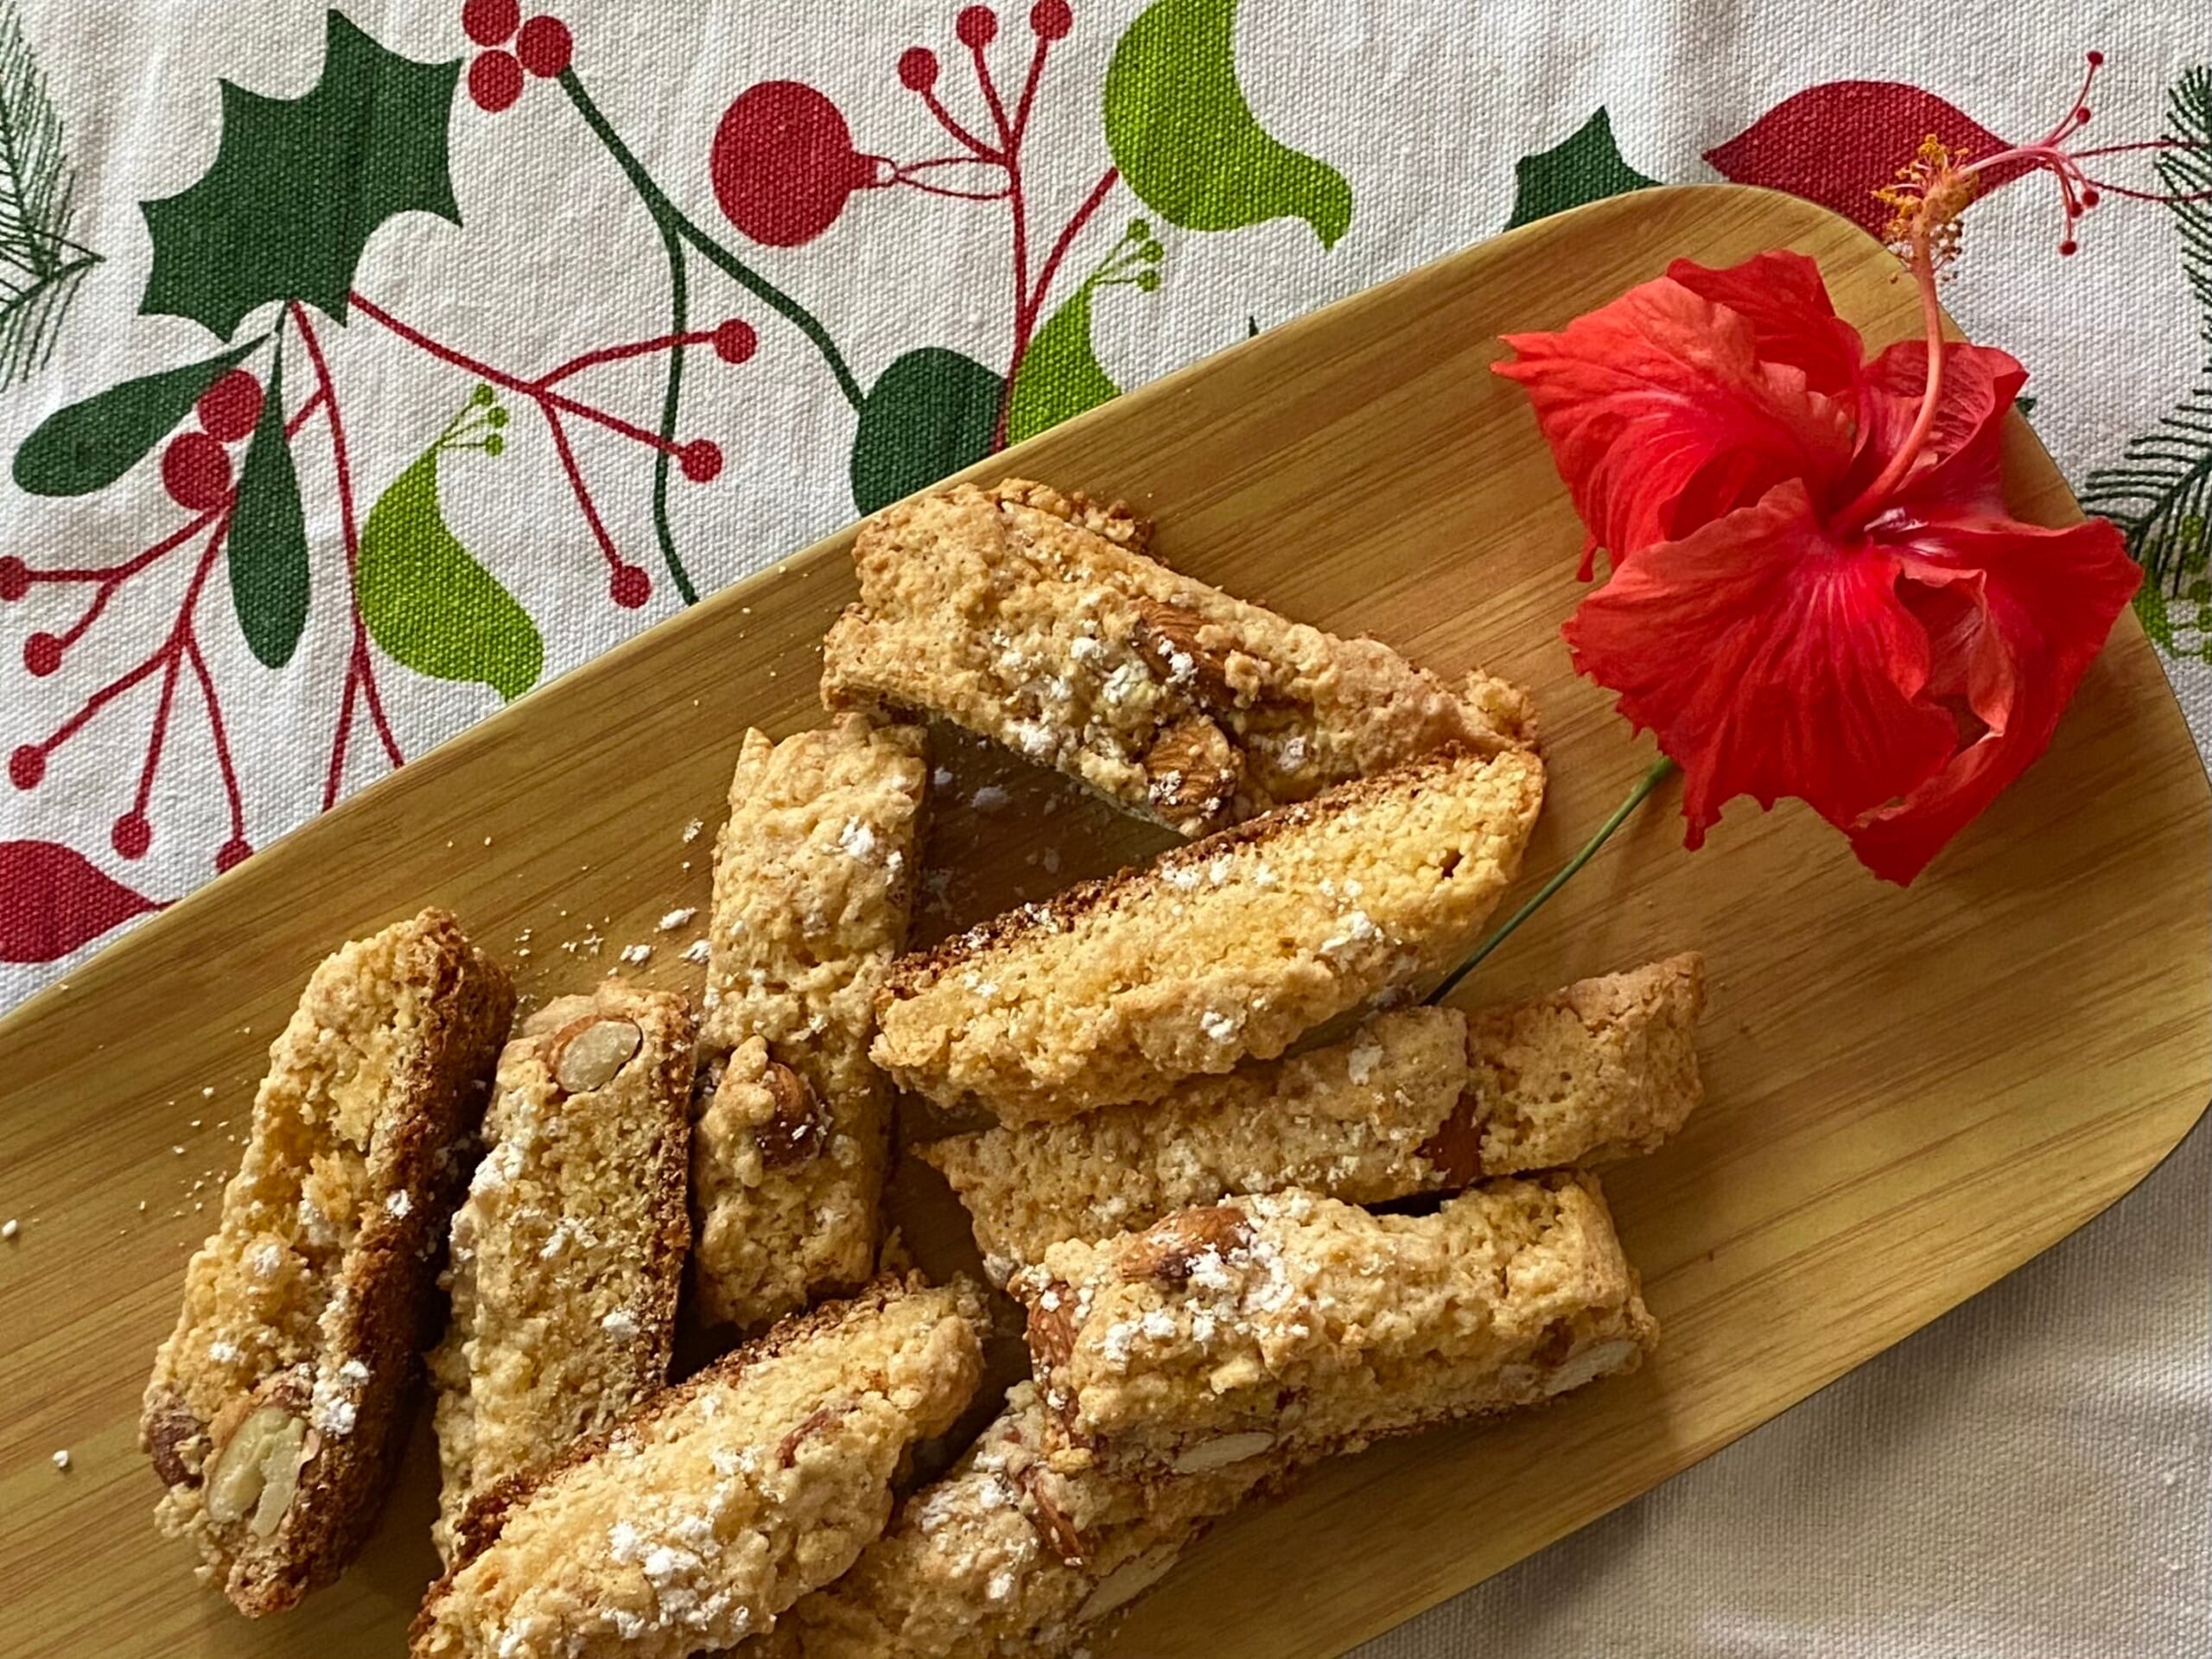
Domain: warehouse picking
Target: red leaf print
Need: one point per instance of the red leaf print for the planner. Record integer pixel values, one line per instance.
(1837, 142)
(51, 900)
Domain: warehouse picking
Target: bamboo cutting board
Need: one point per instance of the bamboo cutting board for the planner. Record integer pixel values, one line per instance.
(1910, 1093)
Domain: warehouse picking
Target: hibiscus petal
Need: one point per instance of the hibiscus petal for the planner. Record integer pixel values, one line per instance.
(1782, 296)
(1960, 466)
(1771, 660)
(1661, 416)
(2047, 602)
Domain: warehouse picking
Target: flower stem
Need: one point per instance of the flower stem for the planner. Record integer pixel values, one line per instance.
(1661, 770)
(679, 303)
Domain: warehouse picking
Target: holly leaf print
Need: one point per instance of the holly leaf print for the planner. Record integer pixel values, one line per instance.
(1187, 141)
(300, 184)
(429, 604)
(1583, 168)
(87, 446)
(269, 538)
(53, 898)
(932, 412)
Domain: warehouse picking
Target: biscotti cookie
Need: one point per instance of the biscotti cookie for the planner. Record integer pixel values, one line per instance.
(696, 1521)
(1604, 1070)
(1036, 620)
(1024, 1551)
(1293, 1327)
(569, 1251)
(1350, 1120)
(814, 880)
(280, 1404)
(1229, 949)
(1421, 1100)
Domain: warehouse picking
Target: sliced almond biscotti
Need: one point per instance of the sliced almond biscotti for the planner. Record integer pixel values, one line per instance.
(1418, 1100)
(1604, 1070)
(696, 1521)
(1229, 949)
(1024, 1551)
(1351, 1119)
(1293, 1327)
(1036, 620)
(814, 881)
(568, 1251)
(280, 1404)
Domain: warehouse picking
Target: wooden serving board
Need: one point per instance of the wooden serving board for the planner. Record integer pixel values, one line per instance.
(1911, 1092)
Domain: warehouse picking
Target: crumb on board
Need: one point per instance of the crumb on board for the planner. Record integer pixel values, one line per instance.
(676, 918)
(62, 1460)
(637, 953)
(10, 1228)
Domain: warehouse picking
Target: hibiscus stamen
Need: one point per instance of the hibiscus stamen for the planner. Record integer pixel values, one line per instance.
(2078, 189)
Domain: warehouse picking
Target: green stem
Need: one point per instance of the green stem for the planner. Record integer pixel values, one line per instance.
(1662, 769)
(679, 295)
(673, 223)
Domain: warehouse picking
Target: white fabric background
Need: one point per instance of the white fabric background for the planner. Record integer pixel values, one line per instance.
(2031, 1477)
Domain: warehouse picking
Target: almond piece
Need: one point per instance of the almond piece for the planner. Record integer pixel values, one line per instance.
(589, 1054)
(178, 1442)
(813, 1424)
(1599, 1359)
(1122, 1586)
(1191, 773)
(258, 1470)
(1052, 1329)
(1050, 1519)
(1168, 636)
(1168, 1249)
(1222, 1450)
(1455, 1151)
(791, 1133)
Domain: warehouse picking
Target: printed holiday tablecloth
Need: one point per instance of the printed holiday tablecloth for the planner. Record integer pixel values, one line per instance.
(362, 368)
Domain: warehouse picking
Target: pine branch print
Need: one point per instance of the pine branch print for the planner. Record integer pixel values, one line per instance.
(40, 265)
(2161, 491)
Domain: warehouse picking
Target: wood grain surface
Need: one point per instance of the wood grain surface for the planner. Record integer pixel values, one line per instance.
(1911, 1092)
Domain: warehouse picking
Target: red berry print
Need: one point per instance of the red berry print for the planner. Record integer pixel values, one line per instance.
(735, 341)
(42, 654)
(490, 22)
(1051, 20)
(918, 68)
(228, 409)
(132, 835)
(196, 471)
(26, 767)
(977, 28)
(545, 47)
(495, 81)
(702, 459)
(232, 854)
(14, 577)
(631, 587)
(784, 163)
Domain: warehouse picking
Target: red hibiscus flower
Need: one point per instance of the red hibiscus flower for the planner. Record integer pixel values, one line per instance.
(1816, 590)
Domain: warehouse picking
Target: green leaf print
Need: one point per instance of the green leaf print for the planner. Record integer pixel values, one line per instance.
(1189, 144)
(431, 606)
(87, 446)
(299, 185)
(1583, 168)
(269, 539)
(1060, 375)
(932, 412)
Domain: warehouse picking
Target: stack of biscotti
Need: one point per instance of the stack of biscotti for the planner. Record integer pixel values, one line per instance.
(1258, 1205)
